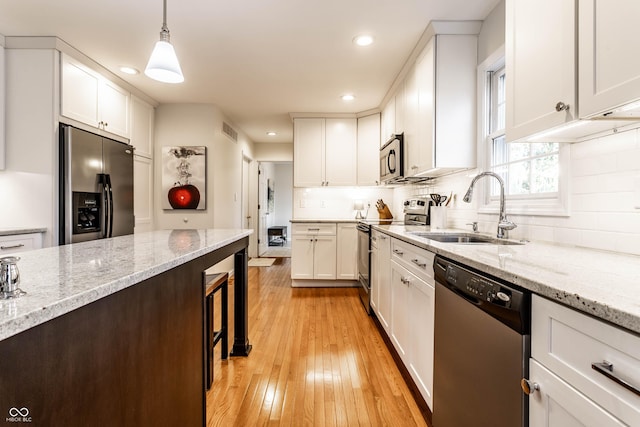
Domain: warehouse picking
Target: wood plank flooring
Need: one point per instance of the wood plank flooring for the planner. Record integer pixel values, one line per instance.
(317, 360)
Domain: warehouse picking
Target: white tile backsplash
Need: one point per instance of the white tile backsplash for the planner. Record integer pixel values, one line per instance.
(337, 202)
(604, 192)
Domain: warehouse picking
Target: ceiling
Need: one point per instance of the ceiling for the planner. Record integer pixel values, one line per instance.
(258, 60)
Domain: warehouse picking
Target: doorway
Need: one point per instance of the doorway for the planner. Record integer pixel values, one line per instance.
(275, 208)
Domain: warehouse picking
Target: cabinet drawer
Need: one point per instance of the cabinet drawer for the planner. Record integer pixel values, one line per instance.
(314, 229)
(418, 261)
(19, 243)
(568, 342)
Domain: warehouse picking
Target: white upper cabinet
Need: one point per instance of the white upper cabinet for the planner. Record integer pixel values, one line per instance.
(89, 98)
(368, 149)
(341, 151)
(609, 63)
(324, 152)
(142, 122)
(540, 66)
(440, 107)
(2, 103)
(388, 121)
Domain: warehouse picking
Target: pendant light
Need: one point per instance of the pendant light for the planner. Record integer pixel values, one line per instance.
(163, 64)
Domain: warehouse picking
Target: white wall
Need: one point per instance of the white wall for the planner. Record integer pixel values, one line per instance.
(283, 197)
(29, 184)
(265, 152)
(337, 202)
(491, 35)
(201, 124)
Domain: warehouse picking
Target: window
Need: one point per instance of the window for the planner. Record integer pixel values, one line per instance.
(531, 171)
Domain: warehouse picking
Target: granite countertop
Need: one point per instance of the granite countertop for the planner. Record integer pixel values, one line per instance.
(14, 231)
(63, 278)
(603, 284)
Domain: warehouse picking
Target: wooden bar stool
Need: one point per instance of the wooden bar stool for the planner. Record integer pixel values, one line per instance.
(215, 283)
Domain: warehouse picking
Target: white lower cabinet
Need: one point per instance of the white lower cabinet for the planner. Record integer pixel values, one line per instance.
(567, 347)
(17, 243)
(313, 251)
(557, 404)
(381, 277)
(347, 252)
(412, 308)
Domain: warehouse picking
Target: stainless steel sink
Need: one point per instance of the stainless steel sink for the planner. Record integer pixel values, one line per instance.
(464, 238)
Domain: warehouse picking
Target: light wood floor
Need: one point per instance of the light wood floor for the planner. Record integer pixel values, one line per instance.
(317, 359)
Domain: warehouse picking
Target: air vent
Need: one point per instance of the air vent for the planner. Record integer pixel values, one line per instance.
(229, 131)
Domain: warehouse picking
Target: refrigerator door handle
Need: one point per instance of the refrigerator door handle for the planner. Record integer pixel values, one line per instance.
(110, 212)
(104, 181)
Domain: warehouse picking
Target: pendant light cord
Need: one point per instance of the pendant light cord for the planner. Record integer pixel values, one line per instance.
(164, 32)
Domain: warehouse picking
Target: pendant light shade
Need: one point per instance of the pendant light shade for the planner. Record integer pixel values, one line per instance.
(163, 64)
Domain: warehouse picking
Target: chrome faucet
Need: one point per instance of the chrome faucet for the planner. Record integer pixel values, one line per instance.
(504, 225)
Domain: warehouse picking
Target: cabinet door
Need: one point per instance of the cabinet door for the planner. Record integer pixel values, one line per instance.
(368, 149)
(388, 121)
(2, 104)
(347, 252)
(422, 149)
(540, 52)
(143, 193)
(557, 404)
(421, 311)
(114, 108)
(384, 280)
(400, 300)
(308, 152)
(374, 276)
(341, 150)
(324, 258)
(142, 120)
(609, 66)
(302, 259)
(399, 109)
(79, 92)
(412, 142)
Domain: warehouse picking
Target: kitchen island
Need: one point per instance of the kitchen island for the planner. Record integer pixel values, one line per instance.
(111, 332)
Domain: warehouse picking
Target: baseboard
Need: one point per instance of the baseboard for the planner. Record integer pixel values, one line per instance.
(297, 283)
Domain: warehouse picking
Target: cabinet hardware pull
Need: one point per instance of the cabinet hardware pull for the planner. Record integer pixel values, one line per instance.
(561, 106)
(313, 229)
(528, 387)
(606, 368)
(19, 245)
(383, 237)
(398, 252)
(418, 263)
(405, 281)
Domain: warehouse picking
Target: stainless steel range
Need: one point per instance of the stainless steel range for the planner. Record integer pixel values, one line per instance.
(417, 210)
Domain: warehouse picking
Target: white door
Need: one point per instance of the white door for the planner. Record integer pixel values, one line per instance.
(262, 212)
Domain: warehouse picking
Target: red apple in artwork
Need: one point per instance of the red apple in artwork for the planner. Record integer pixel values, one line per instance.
(184, 197)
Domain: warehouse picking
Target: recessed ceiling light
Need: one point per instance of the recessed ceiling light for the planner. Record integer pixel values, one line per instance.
(348, 97)
(363, 40)
(272, 133)
(129, 70)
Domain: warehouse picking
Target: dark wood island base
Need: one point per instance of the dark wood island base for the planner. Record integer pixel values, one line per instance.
(133, 358)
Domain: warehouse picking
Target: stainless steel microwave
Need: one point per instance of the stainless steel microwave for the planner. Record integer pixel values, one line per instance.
(391, 160)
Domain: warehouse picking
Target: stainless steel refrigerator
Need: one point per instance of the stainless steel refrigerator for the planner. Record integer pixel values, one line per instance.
(96, 186)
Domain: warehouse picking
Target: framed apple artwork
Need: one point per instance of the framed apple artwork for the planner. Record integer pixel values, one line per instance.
(184, 177)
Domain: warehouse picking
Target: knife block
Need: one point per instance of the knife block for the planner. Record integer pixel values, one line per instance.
(385, 213)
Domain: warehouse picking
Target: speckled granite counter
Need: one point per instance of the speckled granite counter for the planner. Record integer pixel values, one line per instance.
(63, 278)
(603, 284)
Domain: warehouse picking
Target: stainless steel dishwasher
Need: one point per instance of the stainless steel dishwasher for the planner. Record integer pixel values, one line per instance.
(481, 349)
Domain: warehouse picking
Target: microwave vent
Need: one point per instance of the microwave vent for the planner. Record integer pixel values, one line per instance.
(229, 131)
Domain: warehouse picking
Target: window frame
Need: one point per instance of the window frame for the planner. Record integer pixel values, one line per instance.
(531, 205)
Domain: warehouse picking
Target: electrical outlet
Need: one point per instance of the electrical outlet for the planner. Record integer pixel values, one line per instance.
(303, 203)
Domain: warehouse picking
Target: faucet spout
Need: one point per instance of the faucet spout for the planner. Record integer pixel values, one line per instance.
(504, 225)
